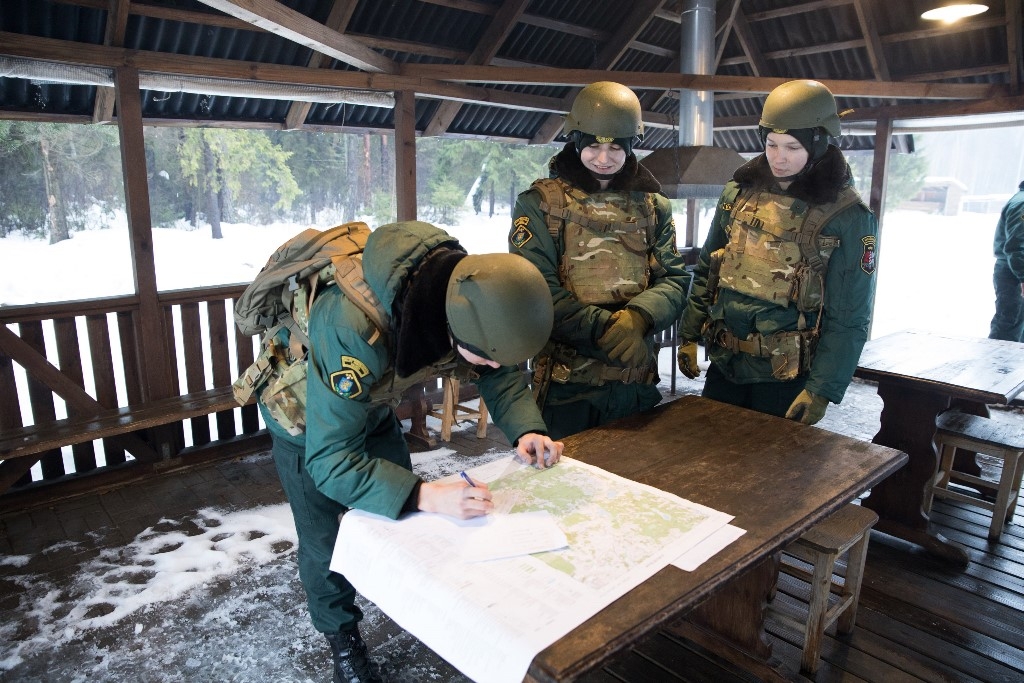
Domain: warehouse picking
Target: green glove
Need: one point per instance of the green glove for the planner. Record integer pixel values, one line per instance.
(807, 408)
(623, 339)
(687, 357)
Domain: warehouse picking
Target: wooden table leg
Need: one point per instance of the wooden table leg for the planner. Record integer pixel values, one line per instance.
(908, 424)
(730, 622)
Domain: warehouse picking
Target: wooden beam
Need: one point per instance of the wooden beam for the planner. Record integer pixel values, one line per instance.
(610, 54)
(745, 36)
(1013, 44)
(405, 155)
(117, 22)
(493, 37)
(784, 12)
(337, 20)
(156, 373)
(880, 166)
(297, 27)
(645, 79)
(876, 55)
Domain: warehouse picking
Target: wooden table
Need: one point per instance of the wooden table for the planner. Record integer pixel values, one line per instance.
(776, 476)
(919, 374)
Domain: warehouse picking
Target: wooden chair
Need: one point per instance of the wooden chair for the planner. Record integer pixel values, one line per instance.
(831, 598)
(450, 411)
(996, 437)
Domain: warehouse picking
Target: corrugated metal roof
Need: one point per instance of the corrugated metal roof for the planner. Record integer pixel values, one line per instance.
(792, 39)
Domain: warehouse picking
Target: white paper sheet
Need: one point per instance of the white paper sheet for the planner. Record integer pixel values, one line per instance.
(490, 619)
(511, 535)
(700, 553)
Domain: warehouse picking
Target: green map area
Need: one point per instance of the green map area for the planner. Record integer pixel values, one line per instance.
(612, 525)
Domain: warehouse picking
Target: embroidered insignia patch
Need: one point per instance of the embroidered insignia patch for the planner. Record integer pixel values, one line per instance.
(345, 382)
(521, 234)
(867, 257)
(603, 139)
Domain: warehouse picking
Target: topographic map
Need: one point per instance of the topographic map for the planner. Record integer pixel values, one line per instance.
(612, 524)
(490, 618)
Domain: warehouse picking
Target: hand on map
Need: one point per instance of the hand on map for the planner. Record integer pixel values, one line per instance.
(538, 450)
(455, 499)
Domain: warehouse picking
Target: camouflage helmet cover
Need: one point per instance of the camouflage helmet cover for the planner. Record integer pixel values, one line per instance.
(801, 104)
(499, 304)
(606, 109)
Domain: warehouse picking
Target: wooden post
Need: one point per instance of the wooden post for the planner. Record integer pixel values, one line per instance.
(157, 372)
(405, 155)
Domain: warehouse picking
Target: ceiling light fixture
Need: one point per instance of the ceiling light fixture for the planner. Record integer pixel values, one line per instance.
(947, 14)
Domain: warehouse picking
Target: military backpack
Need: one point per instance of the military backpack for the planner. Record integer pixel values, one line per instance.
(281, 296)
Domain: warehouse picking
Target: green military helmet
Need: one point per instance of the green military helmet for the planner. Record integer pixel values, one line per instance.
(801, 104)
(606, 109)
(500, 305)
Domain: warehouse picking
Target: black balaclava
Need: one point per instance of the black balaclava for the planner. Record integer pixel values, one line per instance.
(814, 140)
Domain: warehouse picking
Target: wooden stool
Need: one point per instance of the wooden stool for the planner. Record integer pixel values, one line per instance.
(450, 411)
(995, 437)
(848, 529)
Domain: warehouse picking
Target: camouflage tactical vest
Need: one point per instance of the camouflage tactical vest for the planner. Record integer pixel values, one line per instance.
(775, 251)
(606, 236)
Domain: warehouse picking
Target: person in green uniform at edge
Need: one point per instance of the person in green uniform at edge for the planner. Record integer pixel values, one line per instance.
(1008, 273)
(475, 315)
(784, 284)
(605, 241)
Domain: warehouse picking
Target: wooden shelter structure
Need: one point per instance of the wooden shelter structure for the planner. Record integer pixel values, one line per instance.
(495, 69)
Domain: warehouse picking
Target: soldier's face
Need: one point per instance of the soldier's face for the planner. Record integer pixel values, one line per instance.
(786, 156)
(475, 359)
(605, 158)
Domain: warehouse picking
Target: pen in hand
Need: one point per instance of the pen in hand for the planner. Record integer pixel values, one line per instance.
(468, 480)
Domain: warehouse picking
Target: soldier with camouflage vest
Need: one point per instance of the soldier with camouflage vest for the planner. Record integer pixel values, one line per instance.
(784, 284)
(606, 244)
(473, 316)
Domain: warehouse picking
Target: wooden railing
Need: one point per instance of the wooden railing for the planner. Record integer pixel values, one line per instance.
(77, 374)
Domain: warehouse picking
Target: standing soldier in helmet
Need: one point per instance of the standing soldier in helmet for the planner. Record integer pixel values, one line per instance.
(474, 316)
(606, 244)
(784, 284)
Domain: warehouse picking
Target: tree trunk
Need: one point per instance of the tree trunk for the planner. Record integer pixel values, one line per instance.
(491, 198)
(212, 205)
(56, 216)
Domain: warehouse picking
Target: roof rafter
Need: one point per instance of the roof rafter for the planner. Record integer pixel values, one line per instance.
(491, 41)
(640, 15)
(297, 27)
(337, 20)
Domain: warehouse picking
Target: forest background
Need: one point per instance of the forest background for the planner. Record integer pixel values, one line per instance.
(59, 179)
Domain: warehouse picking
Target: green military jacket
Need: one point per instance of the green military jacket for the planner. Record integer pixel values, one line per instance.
(848, 297)
(1008, 243)
(578, 325)
(349, 374)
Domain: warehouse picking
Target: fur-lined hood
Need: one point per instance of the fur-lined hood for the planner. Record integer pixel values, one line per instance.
(633, 177)
(821, 185)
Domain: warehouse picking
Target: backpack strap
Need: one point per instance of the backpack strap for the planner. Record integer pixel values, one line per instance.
(347, 272)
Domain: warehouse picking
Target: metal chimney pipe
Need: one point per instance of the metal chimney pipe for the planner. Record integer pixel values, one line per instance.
(696, 56)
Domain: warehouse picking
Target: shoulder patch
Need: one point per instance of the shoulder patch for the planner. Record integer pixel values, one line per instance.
(345, 382)
(521, 233)
(867, 257)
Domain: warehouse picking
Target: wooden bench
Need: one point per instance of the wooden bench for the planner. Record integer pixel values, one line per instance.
(38, 438)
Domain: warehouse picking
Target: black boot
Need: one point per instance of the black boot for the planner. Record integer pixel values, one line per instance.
(351, 665)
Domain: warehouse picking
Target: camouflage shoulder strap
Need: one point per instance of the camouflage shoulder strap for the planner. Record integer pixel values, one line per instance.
(552, 203)
(817, 216)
